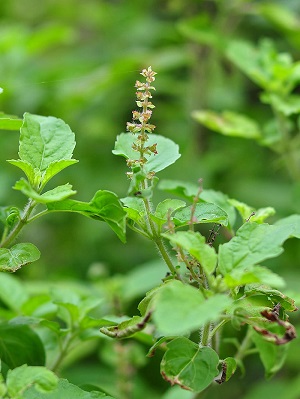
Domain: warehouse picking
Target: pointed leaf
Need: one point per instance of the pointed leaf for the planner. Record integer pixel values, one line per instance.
(44, 140)
(175, 301)
(255, 274)
(252, 244)
(195, 244)
(104, 206)
(55, 167)
(19, 345)
(9, 122)
(167, 151)
(229, 123)
(21, 378)
(17, 256)
(204, 213)
(59, 193)
(189, 366)
(26, 167)
(247, 212)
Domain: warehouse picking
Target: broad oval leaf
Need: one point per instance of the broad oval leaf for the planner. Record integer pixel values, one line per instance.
(167, 151)
(189, 366)
(21, 378)
(12, 259)
(180, 308)
(44, 140)
(254, 243)
(204, 213)
(19, 344)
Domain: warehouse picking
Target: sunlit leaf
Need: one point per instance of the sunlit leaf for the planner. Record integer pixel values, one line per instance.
(44, 140)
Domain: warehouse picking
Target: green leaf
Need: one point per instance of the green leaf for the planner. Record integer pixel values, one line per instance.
(195, 244)
(293, 221)
(135, 209)
(17, 256)
(9, 122)
(56, 167)
(176, 302)
(229, 124)
(222, 200)
(21, 378)
(20, 345)
(247, 212)
(252, 244)
(104, 206)
(59, 193)
(27, 168)
(12, 292)
(255, 274)
(204, 213)
(275, 296)
(189, 366)
(44, 140)
(167, 151)
(230, 363)
(272, 356)
(179, 188)
(286, 105)
(65, 390)
(164, 208)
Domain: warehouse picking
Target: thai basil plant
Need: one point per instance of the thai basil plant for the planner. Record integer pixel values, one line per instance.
(215, 275)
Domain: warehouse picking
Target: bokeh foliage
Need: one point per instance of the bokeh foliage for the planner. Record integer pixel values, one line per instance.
(77, 61)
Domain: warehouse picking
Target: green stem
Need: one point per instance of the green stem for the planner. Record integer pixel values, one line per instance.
(162, 250)
(8, 239)
(243, 349)
(65, 346)
(205, 333)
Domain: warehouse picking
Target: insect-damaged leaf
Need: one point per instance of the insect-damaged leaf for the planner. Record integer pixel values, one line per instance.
(188, 365)
(11, 259)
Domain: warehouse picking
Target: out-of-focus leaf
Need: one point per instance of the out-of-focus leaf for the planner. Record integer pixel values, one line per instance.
(12, 259)
(20, 345)
(189, 366)
(9, 122)
(229, 123)
(21, 378)
(271, 355)
(182, 189)
(12, 292)
(65, 390)
(247, 212)
(255, 274)
(180, 308)
(287, 105)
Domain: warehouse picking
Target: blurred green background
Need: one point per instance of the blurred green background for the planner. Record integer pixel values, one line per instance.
(78, 60)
